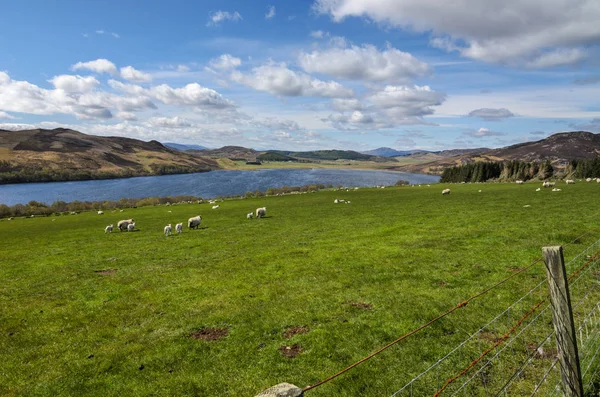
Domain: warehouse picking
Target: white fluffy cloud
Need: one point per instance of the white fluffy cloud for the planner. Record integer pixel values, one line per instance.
(318, 34)
(533, 33)
(225, 62)
(277, 79)
(168, 122)
(219, 16)
(364, 63)
(6, 116)
(275, 123)
(98, 66)
(387, 108)
(192, 94)
(270, 13)
(132, 74)
(74, 84)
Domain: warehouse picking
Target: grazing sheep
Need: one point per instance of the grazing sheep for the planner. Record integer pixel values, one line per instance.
(598, 180)
(100, 213)
(570, 182)
(519, 182)
(122, 225)
(556, 189)
(261, 212)
(214, 207)
(120, 210)
(249, 215)
(179, 228)
(168, 230)
(131, 227)
(538, 189)
(588, 179)
(445, 191)
(548, 184)
(108, 229)
(194, 222)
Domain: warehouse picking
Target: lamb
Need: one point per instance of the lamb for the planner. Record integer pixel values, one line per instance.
(538, 189)
(570, 182)
(249, 215)
(194, 222)
(168, 230)
(179, 228)
(100, 213)
(108, 229)
(519, 182)
(588, 179)
(445, 191)
(131, 227)
(122, 225)
(261, 212)
(214, 207)
(556, 189)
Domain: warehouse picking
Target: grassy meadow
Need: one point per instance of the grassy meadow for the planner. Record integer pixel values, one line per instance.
(84, 313)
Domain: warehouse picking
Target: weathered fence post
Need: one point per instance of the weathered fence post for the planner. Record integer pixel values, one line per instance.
(562, 318)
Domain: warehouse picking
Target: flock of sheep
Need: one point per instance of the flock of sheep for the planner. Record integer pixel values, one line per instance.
(193, 223)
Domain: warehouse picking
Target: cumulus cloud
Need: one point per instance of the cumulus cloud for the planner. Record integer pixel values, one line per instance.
(277, 79)
(275, 123)
(270, 13)
(364, 63)
(389, 107)
(491, 114)
(497, 31)
(190, 95)
(132, 74)
(217, 17)
(483, 133)
(225, 62)
(16, 126)
(129, 116)
(168, 122)
(98, 66)
(74, 84)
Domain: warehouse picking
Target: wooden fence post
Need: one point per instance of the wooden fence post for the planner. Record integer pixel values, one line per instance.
(562, 318)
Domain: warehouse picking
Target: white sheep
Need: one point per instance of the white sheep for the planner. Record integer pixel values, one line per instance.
(194, 222)
(336, 201)
(108, 229)
(598, 180)
(100, 213)
(570, 182)
(122, 225)
(179, 228)
(249, 215)
(214, 207)
(131, 227)
(556, 189)
(120, 210)
(445, 191)
(538, 189)
(519, 182)
(588, 179)
(261, 212)
(168, 230)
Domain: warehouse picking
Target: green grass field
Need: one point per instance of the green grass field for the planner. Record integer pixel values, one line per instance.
(355, 276)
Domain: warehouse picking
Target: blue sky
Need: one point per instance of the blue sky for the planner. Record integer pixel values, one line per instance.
(319, 74)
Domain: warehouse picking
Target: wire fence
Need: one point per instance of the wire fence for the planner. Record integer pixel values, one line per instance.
(515, 352)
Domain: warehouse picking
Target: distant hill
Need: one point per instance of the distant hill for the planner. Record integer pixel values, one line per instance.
(231, 152)
(559, 148)
(329, 155)
(183, 147)
(389, 152)
(62, 154)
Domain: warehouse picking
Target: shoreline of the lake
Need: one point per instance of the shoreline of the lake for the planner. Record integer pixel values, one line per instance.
(219, 183)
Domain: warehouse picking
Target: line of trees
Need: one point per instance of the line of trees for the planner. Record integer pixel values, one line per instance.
(589, 168)
(495, 170)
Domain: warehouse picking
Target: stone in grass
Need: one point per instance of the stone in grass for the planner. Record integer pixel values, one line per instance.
(210, 334)
(291, 351)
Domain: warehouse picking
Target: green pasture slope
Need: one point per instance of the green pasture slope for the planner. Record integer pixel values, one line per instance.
(400, 255)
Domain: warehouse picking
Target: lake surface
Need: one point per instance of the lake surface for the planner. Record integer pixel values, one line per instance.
(205, 185)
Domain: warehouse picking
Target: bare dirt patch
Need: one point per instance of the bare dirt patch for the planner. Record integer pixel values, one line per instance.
(291, 351)
(105, 272)
(210, 334)
(362, 305)
(295, 330)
